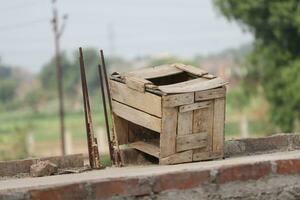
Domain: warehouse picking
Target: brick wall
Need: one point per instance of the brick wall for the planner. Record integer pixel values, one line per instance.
(269, 177)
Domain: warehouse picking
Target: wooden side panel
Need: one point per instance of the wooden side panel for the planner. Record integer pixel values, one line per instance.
(147, 102)
(121, 129)
(191, 141)
(200, 154)
(186, 156)
(210, 94)
(168, 132)
(137, 117)
(178, 99)
(218, 130)
(185, 123)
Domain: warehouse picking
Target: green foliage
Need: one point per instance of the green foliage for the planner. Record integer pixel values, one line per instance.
(7, 89)
(274, 63)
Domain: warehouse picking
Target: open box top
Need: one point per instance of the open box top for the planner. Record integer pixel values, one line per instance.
(169, 79)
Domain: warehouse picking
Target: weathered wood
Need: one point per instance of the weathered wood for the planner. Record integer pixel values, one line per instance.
(137, 117)
(190, 69)
(209, 76)
(136, 83)
(218, 125)
(147, 102)
(194, 106)
(121, 129)
(198, 84)
(192, 141)
(182, 157)
(210, 94)
(178, 99)
(200, 154)
(155, 72)
(146, 148)
(168, 132)
(185, 123)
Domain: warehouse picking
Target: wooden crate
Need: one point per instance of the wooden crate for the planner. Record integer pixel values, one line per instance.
(173, 112)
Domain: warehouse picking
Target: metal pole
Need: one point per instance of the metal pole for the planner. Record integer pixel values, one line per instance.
(105, 110)
(59, 79)
(117, 155)
(91, 140)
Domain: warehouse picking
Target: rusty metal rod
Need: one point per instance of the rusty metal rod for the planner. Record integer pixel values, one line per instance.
(117, 155)
(105, 111)
(92, 143)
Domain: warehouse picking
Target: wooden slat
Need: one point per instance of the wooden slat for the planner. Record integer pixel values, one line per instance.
(182, 157)
(147, 102)
(191, 69)
(185, 123)
(145, 147)
(210, 94)
(192, 141)
(198, 84)
(121, 129)
(178, 99)
(168, 132)
(218, 126)
(155, 72)
(200, 154)
(136, 83)
(203, 122)
(137, 117)
(194, 106)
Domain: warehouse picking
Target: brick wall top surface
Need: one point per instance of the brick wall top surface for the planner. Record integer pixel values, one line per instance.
(135, 181)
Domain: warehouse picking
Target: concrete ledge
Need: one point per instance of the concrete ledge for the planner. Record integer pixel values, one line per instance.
(12, 168)
(163, 182)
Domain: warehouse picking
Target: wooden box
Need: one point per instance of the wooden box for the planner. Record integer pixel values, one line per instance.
(173, 112)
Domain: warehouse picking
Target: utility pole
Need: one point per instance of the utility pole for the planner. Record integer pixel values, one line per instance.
(58, 31)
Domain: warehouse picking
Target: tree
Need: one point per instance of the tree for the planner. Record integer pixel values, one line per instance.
(275, 60)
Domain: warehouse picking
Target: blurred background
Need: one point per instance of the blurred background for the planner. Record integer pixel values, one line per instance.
(253, 44)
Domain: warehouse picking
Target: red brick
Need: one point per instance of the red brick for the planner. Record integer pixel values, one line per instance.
(74, 192)
(182, 180)
(288, 166)
(123, 187)
(244, 172)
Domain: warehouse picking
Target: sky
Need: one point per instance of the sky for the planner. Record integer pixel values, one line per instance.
(127, 28)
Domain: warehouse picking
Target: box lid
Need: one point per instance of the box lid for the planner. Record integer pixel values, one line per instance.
(170, 79)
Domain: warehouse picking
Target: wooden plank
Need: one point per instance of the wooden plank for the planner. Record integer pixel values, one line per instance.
(191, 69)
(168, 131)
(185, 123)
(147, 102)
(192, 141)
(178, 99)
(182, 157)
(155, 72)
(137, 117)
(121, 129)
(137, 83)
(210, 94)
(218, 126)
(194, 106)
(198, 84)
(145, 147)
(200, 154)
(203, 122)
